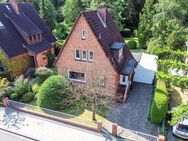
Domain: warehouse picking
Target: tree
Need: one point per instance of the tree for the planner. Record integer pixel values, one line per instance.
(179, 114)
(145, 25)
(47, 12)
(71, 9)
(93, 93)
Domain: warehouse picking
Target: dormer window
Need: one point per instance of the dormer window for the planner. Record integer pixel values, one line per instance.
(117, 49)
(1, 25)
(83, 35)
(7, 7)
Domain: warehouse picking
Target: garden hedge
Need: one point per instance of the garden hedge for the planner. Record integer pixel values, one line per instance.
(159, 106)
(53, 93)
(28, 97)
(132, 44)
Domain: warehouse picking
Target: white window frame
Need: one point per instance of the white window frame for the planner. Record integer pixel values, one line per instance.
(84, 59)
(101, 79)
(121, 52)
(75, 54)
(83, 34)
(76, 80)
(89, 55)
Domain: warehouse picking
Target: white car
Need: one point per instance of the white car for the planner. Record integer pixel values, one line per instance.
(181, 129)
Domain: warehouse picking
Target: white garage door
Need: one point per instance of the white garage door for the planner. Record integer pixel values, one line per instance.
(146, 68)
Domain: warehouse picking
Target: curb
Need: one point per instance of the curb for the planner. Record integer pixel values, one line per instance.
(24, 136)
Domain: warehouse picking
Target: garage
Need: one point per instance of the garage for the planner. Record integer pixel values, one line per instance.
(146, 69)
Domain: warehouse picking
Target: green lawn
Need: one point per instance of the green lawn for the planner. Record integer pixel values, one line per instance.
(77, 113)
(131, 38)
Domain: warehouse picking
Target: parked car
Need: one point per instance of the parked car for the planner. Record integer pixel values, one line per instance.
(181, 129)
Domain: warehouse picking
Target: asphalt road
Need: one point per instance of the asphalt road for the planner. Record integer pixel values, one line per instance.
(7, 136)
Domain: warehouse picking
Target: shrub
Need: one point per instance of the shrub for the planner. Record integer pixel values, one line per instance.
(35, 88)
(22, 86)
(132, 44)
(43, 73)
(135, 33)
(4, 86)
(126, 32)
(54, 92)
(28, 97)
(159, 105)
(51, 59)
(14, 96)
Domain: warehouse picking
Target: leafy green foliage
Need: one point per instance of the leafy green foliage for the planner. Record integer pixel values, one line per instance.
(132, 44)
(35, 88)
(179, 114)
(54, 93)
(179, 81)
(43, 73)
(163, 25)
(159, 105)
(171, 64)
(28, 97)
(4, 86)
(126, 32)
(14, 96)
(22, 86)
(47, 11)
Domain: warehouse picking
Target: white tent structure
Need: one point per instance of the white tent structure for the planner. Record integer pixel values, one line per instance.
(146, 69)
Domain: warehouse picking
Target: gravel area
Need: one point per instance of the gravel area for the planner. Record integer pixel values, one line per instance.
(134, 113)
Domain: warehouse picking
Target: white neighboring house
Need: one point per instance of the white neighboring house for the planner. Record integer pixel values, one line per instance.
(146, 69)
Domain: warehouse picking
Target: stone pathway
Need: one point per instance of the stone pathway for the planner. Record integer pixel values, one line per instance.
(134, 114)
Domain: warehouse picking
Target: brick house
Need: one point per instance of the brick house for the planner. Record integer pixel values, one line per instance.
(95, 48)
(24, 38)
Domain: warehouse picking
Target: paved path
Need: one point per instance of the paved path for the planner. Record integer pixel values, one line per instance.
(133, 114)
(46, 130)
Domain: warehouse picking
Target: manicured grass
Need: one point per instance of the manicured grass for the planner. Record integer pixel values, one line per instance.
(75, 113)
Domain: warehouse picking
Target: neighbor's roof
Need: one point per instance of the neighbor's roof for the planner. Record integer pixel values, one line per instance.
(38, 47)
(106, 36)
(11, 42)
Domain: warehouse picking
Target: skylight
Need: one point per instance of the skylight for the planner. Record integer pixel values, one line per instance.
(1, 25)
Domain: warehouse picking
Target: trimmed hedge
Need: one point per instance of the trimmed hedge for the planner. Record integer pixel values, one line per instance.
(35, 88)
(14, 96)
(54, 92)
(43, 73)
(159, 106)
(28, 97)
(132, 44)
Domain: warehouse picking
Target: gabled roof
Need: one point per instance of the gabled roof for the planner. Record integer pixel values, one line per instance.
(105, 35)
(23, 23)
(11, 42)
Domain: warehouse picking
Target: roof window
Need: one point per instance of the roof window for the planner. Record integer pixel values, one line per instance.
(1, 25)
(8, 8)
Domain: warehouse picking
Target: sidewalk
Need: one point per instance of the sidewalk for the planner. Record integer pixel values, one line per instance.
(46, 130)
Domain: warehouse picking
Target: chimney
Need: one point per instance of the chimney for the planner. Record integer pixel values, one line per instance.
(14, 5)
(103, 14)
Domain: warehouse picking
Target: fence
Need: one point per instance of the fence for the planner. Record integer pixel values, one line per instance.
(107, 127)
(129, 135)
(68, 117)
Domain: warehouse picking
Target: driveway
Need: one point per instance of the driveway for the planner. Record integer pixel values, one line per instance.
(45, 130)
(134, 114)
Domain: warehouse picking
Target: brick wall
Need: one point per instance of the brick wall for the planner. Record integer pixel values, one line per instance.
(101, 66)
